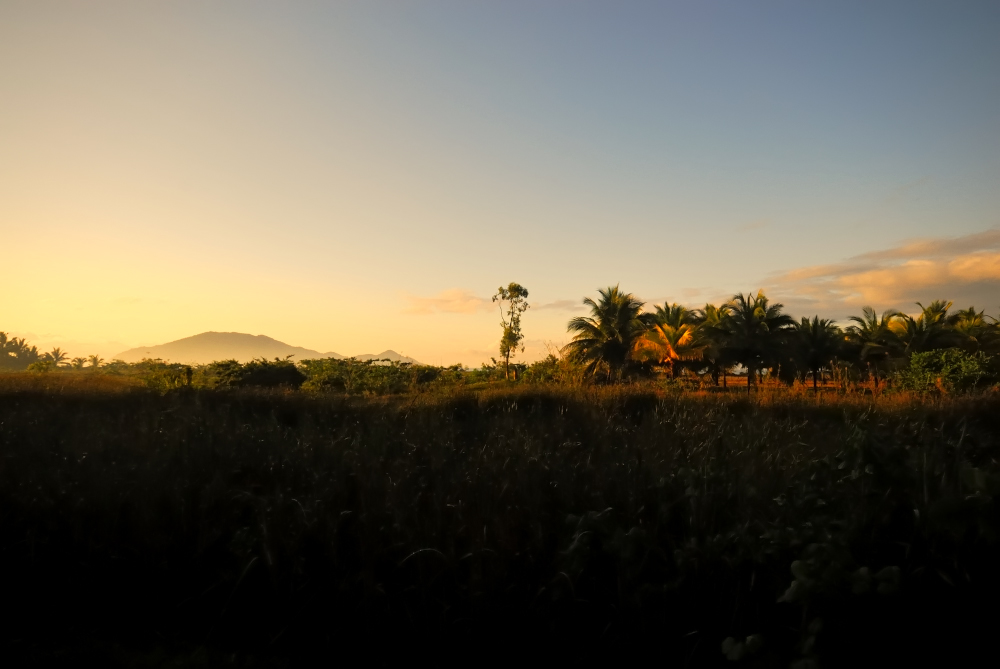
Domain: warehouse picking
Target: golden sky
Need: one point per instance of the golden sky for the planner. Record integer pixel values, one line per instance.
(361, 176)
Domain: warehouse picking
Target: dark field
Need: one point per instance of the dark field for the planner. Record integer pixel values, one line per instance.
(207, 528)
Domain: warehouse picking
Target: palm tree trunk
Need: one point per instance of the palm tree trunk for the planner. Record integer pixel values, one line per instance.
(750, 373)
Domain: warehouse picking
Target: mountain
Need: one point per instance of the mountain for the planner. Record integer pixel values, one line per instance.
(211, 346)
(386, 355)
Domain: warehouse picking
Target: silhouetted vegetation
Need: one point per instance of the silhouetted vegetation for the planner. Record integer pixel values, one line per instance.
(513, 302)
(749, 337)
(575, 525)
(16, 354)
(753, 336)
(607, 502)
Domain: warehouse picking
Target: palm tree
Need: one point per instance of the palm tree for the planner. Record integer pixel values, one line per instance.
(978, 334)
(25, 354)
(6, 351)
(666, 344)
(15, 354)
(78, 363)
(95, 361)
(606, 339)
(670, 337)
(819, 342)
(674, 315)
(711, 335)
(56, 356)
(934, 328)
(755, 330)
(874, 337)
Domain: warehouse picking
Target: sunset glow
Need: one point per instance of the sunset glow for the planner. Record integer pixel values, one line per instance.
(362, 176)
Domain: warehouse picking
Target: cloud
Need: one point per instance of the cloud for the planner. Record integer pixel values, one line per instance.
(689, 297)
(560, 305)
(454, 301)
(938, 248)
(964, 269)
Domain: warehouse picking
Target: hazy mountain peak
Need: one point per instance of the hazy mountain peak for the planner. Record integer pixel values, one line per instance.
(388, 354)
(211, 346)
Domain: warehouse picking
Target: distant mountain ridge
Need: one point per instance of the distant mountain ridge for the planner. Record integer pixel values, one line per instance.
(209, 347)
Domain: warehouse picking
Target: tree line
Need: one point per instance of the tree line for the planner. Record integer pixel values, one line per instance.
(750, 333)
(620, 340)
(17, 355)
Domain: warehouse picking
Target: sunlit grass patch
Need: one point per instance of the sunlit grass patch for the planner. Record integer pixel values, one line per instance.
(67, 382)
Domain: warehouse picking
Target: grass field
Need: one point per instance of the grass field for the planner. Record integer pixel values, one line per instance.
(204, 528)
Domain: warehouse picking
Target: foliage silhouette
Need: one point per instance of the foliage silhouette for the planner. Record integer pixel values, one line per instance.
(606, 340)
(56, 356)
(756, 330)
(875, 338)
(512, 302)
(933, 329)
(264, 528)
(819, 342)
(15, 353)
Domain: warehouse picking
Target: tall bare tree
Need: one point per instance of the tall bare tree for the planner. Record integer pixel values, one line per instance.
(512, 301)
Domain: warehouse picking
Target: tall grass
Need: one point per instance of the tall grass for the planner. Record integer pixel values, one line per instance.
(522, 525)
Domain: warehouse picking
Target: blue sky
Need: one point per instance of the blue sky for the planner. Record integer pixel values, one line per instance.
(361, 176)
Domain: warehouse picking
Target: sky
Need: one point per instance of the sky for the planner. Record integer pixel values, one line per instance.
(362, 176)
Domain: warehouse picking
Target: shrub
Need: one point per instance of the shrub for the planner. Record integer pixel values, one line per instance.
(42, 366)
(545, 370)
(271, 374)
(159, 375)
(259, 372)
(947, 370)
(369, 377)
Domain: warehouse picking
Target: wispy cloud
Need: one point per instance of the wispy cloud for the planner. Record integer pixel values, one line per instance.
(965, 269)
(454, 301)
(560, 305)
(689, 297)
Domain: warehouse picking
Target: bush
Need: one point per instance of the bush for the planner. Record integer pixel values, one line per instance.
(543, 371)
(160, 375)
(42, 366)
(259, 372)
(271, 374)
(947, 370)
(369, 377)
